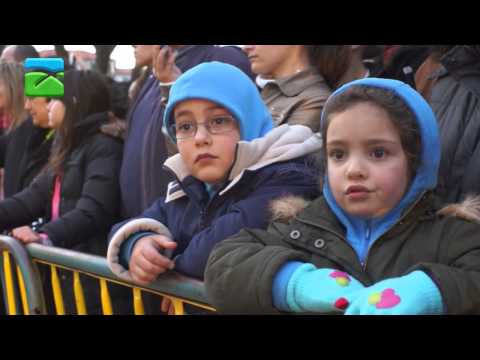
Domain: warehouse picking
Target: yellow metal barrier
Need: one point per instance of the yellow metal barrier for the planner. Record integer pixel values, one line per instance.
(137, 302)
(178, 289)
(57, 291)
(12, 307)
(106, 302)
(80, 299)
(23, 292)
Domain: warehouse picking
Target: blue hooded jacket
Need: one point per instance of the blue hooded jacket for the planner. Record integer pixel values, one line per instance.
(361, 233)
(199, 217)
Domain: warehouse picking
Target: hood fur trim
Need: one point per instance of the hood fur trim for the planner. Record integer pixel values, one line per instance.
(286, 208)
(468, 209)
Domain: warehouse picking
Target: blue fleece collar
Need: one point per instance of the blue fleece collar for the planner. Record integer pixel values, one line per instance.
(361, 233)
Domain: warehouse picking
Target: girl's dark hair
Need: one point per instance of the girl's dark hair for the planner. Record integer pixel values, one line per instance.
(331, 61)
(85, 93)
(400, 114)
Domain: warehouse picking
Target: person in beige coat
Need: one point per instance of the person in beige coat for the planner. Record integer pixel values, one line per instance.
(296, 80)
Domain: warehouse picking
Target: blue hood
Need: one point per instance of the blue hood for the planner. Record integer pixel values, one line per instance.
(361, 233)
(227, 86)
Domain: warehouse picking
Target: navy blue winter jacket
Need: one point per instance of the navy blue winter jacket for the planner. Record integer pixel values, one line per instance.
(198, 223)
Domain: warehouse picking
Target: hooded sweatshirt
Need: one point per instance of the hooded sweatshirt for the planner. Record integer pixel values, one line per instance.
(268, 164)
(361, 233)
(227, 86)
(142, 178)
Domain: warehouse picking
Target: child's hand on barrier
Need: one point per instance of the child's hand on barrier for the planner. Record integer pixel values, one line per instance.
(147, 262)
(26, 235)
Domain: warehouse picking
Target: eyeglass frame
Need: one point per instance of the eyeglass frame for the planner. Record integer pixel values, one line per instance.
(173, 129)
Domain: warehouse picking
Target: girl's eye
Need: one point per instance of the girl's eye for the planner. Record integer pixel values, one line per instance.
(379, 153)
(337, 154)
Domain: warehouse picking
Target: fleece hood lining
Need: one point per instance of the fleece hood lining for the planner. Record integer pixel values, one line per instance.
(361, 233)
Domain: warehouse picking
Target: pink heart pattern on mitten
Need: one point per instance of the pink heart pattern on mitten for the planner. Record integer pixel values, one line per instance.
(340, 277)
(384, 300)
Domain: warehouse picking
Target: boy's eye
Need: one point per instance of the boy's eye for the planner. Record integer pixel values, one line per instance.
(184, 127)
(337, 154)
(221, 124)
(220, 121)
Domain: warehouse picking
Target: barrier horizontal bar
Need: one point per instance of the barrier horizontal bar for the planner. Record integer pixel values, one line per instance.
(170, 283)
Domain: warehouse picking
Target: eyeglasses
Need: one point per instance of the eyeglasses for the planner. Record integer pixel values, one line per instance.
(182, 130)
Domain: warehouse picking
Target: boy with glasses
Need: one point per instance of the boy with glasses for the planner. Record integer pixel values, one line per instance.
(230, 166)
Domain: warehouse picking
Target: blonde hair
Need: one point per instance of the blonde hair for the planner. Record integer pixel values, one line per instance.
(12, 78)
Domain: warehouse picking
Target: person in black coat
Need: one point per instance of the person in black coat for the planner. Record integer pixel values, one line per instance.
(79, 194)
(455, 99)
(25, 150)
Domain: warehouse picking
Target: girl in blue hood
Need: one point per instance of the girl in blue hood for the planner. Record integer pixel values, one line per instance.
(376, 242)
(230, 165)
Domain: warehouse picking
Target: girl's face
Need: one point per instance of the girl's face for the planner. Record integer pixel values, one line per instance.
(367, 166)
(38, 109)
(271, 61)
(209, 157)
(56, 113)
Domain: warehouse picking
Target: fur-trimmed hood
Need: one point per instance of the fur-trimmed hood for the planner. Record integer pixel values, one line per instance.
(286, 208)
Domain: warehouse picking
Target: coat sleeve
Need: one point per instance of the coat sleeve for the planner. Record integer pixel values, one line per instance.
(99, 203)
(251, 212)
(156, 212)
(457, 273)
(240, 271)
(123, 237)
(27, 205)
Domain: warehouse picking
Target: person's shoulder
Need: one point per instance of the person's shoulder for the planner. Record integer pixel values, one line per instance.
(290, 174)
(26, 127)
(101, 142)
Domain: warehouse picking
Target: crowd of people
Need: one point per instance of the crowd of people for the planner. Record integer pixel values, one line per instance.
(289, 178)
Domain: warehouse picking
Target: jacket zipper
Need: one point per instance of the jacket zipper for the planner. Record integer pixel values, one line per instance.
(364, 264)
(204, 208)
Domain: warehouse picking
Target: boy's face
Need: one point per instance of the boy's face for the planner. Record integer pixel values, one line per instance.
(208, 156)
(38, 109)
(367, 166)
